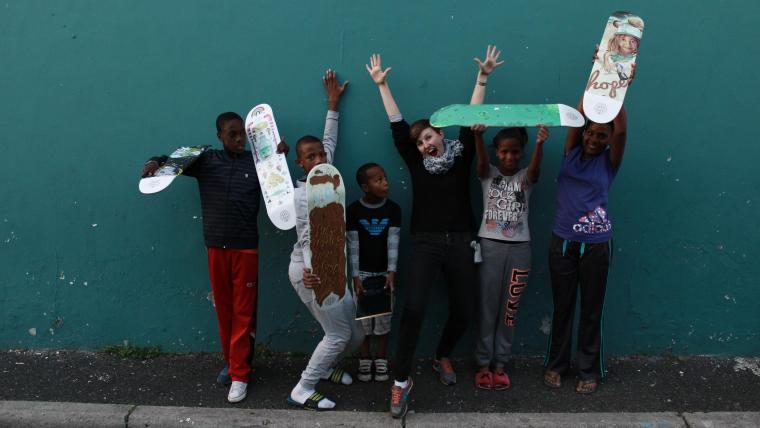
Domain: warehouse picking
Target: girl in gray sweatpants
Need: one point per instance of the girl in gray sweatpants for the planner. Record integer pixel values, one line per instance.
(505, 246)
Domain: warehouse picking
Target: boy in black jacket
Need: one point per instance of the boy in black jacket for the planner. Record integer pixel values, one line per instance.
(230, 200)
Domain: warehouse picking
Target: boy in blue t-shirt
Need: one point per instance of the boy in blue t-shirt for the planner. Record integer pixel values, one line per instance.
(373, 229)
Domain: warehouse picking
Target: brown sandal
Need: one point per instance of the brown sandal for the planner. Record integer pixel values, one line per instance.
(586, 386)
(552, 379)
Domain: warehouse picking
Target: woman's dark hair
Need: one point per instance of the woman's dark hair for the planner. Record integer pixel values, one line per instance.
(418, 126)
(519, 134)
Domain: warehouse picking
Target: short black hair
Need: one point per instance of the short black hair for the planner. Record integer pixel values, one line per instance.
(611, 124)
(361, 173)
(306, 139)
(226, 117)
(516, 133)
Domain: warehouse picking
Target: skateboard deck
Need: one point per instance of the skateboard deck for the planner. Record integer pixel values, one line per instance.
(326, 194)
(375, 301)
(271, 167)
(178, 161)
(608, 82)
(507, 115)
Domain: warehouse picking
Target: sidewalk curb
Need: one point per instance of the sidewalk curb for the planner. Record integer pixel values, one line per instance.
(156, 416)
(56, 414)
(722, 419)
(540, 420)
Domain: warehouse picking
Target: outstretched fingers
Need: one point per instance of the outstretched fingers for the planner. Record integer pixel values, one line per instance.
(494, 54)
(375, 69)
(491, 60)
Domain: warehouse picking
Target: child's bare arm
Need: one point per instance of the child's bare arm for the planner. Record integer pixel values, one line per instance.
(534, 169)
(575, 135)
(485, 68)
(617, 145)
(483, 164)
(378, 75)
(619, 137)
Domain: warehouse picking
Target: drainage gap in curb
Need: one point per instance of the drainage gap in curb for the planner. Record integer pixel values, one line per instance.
(126, 417)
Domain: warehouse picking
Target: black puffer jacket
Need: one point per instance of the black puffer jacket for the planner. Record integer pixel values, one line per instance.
(230, 197)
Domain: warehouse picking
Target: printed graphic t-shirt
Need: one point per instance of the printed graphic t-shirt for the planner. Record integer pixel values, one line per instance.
(582, 194)
(505, 206)
(372, 225)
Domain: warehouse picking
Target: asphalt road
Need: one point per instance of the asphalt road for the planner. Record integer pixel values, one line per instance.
(635, 384)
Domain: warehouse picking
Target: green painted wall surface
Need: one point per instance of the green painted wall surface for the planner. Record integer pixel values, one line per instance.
(90, 89)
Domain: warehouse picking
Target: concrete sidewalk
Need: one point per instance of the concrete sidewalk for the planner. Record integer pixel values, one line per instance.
(53, 414)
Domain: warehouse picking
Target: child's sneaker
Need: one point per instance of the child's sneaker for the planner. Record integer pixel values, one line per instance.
(445, 371)
(237, 392)
(400, 398)
(223, 378)
(381, 370)
(365, 370)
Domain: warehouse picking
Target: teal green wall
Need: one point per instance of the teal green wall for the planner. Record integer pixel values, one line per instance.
(90, 89)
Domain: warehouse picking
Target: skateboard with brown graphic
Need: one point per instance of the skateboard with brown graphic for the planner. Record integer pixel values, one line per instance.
(326, 200)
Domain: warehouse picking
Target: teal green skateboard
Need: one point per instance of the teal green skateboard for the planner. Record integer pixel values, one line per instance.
(507, 115)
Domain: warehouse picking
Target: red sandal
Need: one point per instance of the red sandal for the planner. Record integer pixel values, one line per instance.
(500, 381)
(484, 378)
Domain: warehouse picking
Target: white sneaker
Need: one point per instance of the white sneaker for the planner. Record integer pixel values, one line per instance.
(238, 391)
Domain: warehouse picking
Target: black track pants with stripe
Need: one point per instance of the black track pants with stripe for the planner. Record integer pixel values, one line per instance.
(577, 266)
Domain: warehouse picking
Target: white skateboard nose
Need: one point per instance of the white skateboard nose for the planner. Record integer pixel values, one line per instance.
(600, 109)
(571, 117)
(151, 185)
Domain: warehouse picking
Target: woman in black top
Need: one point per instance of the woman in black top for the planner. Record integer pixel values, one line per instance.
(442, 227)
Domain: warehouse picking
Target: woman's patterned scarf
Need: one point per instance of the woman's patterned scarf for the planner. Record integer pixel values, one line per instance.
(442, 164)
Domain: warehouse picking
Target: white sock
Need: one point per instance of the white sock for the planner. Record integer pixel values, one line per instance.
(403, 384)
(299, 394)
(345, 379)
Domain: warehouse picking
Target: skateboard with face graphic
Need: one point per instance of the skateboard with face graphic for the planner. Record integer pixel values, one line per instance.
(326, 199)
(507, 115)
(178, 161)
(610, 75)
(271, 167)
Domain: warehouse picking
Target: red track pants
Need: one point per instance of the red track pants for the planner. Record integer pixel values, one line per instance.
(234, 282)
